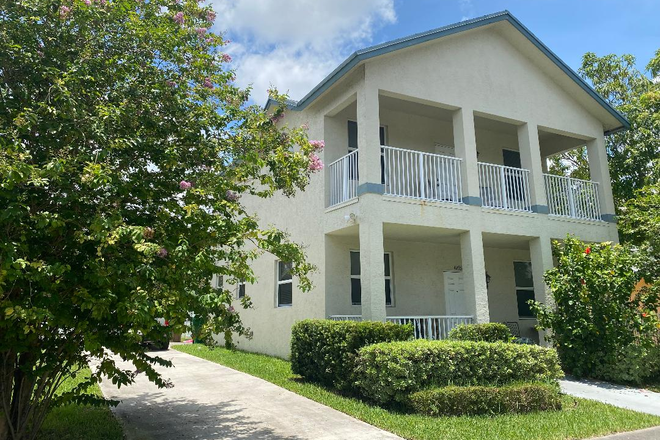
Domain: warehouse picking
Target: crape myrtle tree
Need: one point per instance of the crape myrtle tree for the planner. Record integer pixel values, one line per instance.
(125, 148)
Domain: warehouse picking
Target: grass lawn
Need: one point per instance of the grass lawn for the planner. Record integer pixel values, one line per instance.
(80, 422)
(579, 418)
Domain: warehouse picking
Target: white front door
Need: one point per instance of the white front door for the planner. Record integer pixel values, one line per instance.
(454, 293)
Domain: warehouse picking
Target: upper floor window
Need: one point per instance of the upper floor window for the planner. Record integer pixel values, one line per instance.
(284, 284)
(356, 286)
(353, 136)
(240, 291)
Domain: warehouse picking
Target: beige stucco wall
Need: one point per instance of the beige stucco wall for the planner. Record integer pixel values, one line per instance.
(477, 70)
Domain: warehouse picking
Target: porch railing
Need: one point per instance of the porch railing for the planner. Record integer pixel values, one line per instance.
(504, 187)
(343, 178)
(574, 198)
(424, 327)
(420, 175)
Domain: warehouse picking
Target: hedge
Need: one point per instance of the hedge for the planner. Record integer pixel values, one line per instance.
(490, 332)
(483, 400)
(324, 351)
(388, 372)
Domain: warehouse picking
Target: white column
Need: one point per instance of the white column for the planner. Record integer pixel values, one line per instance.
(530, 159)
(540, 252)
(474, 275)
(372, 276)
(600, 172)
(465, 147)
(368, 121)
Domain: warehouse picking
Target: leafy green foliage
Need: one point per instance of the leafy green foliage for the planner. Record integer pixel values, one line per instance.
(480, 400)
(389, 372)
(324, 351)
(599, 327)
(125, 149)
(639, 224)
(488, 332)
(634, 154)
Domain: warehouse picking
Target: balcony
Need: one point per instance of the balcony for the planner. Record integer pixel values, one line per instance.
(420, 175)
(572, 198)
(424, 327)
(502, 187)
(343, 178)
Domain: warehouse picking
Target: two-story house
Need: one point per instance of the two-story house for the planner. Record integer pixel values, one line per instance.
(435, 206)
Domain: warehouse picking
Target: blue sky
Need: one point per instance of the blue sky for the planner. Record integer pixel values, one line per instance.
(293, 44)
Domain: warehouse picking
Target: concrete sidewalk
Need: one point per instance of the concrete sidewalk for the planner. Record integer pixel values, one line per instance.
(212, 402)
(618, 395)
(643, 434)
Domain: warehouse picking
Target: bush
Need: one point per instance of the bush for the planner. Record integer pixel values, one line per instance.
(481, 400)
(490, 332)
(324, 351)
(389, 372)
(599, 327)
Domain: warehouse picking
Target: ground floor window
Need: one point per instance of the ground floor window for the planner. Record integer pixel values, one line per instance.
(356, 286)
(524, 287)
(284, 284)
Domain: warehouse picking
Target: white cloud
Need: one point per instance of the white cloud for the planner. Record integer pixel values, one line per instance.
(467, 9)
(293, 44)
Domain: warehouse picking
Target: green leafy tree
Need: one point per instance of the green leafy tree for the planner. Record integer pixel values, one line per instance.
(634, 154)
(639, 225)
(600, 329)
(125, 148)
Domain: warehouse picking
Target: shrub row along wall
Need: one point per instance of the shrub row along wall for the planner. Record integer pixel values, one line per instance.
(488, 332)
(324, 351)
(480, 400)
(388, 372)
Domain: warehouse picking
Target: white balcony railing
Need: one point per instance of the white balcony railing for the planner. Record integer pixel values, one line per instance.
(574, 198)
(419, 175)
(504, 187)
(343, 178)
(424, 327)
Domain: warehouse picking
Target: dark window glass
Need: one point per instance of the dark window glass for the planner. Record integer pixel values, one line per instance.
(352, 135)
(523, 273)
(284, 271)
(285, 294)
(388, 292)
(355, 263)
(241, 290)
(387, 265)
(524, 296)
(382, 135)
(511, 158)
(356, 291)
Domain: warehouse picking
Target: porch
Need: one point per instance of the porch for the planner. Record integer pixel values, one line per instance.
(435, 278)
(423, 157)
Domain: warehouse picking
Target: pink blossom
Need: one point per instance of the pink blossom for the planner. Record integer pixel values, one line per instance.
(201, 31)
(64, 11)
(315, 163)
(178, 18)
(184, 185)
(208, 40)
(88, 2)
(277, 118)
(305, 126)
(170, 83)
(207, 83)
(226, 58)
(162, 252)
(231, 196)
(317, 145)
(210, 16)
(231, 309)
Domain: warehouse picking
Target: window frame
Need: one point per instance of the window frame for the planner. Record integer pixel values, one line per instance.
(241, 284)
(279, 282)
(527, 288)
(386, 136)
(389, 277)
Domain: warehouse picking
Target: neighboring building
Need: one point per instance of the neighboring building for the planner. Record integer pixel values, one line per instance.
(434, 205)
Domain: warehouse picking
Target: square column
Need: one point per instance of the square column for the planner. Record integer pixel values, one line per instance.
(600, 172)
(368, 121)
(465, 146)
(540, 252)
(530, 159)
(474, 275)
(372, 274)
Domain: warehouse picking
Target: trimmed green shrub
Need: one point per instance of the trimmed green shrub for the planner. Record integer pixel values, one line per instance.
(490, 332)
(389, 372)
(635, 363)
(481, 400)
(324, 351)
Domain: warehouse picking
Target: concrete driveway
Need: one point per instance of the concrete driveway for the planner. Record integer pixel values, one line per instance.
(618, 395)
(209, 402)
